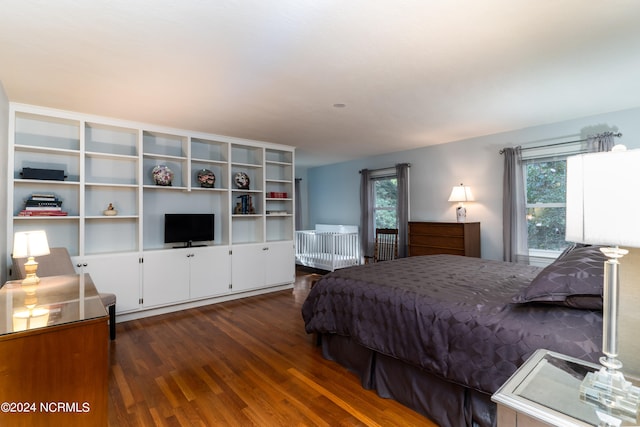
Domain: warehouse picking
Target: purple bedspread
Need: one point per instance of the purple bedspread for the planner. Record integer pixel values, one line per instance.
(450, 315)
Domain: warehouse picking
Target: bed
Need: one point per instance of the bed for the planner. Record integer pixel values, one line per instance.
(328, 247)
(441, 333)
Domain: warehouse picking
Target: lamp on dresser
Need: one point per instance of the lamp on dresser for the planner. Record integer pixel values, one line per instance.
(602, 196)
(30, 316)
(461, 193)
(30, 244)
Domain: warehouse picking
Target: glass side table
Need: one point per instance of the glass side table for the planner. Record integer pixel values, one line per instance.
(545, 390)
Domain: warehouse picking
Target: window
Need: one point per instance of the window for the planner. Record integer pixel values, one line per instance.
(386, 201)
(545, 183)
(384, 194)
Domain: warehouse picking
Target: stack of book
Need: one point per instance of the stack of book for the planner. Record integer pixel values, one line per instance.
(276, 195)
(42, 205)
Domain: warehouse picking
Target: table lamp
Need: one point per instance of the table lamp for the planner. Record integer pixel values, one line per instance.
(461, 193)
(602, 200)
(30, 244)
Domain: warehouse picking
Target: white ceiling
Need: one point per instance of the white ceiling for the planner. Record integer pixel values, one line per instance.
(411, 72)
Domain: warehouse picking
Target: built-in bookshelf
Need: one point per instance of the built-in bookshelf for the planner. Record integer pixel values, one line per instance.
(107, 161)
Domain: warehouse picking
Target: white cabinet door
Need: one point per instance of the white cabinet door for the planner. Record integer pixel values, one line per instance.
(261, 265)
(165, 277)
(118, 274)
(280, 263)
(247, 266)
(210, 271)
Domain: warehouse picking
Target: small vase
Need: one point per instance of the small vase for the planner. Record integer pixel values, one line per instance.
(162, 175)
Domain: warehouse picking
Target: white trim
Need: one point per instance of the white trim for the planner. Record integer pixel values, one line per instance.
(541, 257)
(148, 312)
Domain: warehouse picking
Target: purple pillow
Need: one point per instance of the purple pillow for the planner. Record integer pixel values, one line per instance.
(573, 280)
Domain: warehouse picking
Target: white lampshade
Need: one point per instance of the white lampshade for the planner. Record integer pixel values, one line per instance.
(603, 198)
(31, 318)
(461, 193)
(30, 244)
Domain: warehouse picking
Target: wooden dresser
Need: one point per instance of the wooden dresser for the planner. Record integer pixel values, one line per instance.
(456, 238)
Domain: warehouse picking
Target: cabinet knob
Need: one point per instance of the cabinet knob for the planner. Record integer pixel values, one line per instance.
(78, 265)
(265, 249)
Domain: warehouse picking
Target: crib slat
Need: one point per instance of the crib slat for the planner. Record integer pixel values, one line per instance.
(327, 250)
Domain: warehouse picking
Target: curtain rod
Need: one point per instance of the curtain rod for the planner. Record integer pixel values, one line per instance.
(381, 169)
(617, 135)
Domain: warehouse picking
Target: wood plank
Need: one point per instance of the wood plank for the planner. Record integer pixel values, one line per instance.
(59, 365)
(238, 363)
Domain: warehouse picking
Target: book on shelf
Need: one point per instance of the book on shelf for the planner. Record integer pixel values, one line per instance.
(43, 197)
(43, 208)
(277, 195)
(44, 212)
(245, 206)
(40, 202)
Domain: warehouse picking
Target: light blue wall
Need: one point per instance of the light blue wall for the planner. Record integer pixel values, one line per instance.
(333, 190)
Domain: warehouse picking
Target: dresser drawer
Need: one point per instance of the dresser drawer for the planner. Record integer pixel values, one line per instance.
(455, 242)
(455, 238)
(435, 228)
(415, 250)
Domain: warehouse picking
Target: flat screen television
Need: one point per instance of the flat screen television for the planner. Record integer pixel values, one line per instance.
(187, 228)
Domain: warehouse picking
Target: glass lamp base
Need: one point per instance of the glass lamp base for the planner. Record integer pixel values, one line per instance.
(608, 390)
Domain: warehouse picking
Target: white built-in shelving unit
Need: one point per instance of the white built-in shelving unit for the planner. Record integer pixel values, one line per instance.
(110, 161)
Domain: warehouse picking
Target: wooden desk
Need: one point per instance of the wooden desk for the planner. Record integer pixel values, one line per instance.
(54, 374)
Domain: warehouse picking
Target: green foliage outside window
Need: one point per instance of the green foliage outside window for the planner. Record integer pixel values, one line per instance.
(386, 201)
(546, 201)
(546, 228)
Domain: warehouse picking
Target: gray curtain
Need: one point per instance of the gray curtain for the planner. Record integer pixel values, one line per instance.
(600, 142)
(298, 204)
(514, 212)
(402, 175)
(366, 214)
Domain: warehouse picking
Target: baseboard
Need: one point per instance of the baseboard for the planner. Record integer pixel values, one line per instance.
(155, 311)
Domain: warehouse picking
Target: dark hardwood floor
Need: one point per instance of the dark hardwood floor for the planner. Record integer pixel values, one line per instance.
(240, 363)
